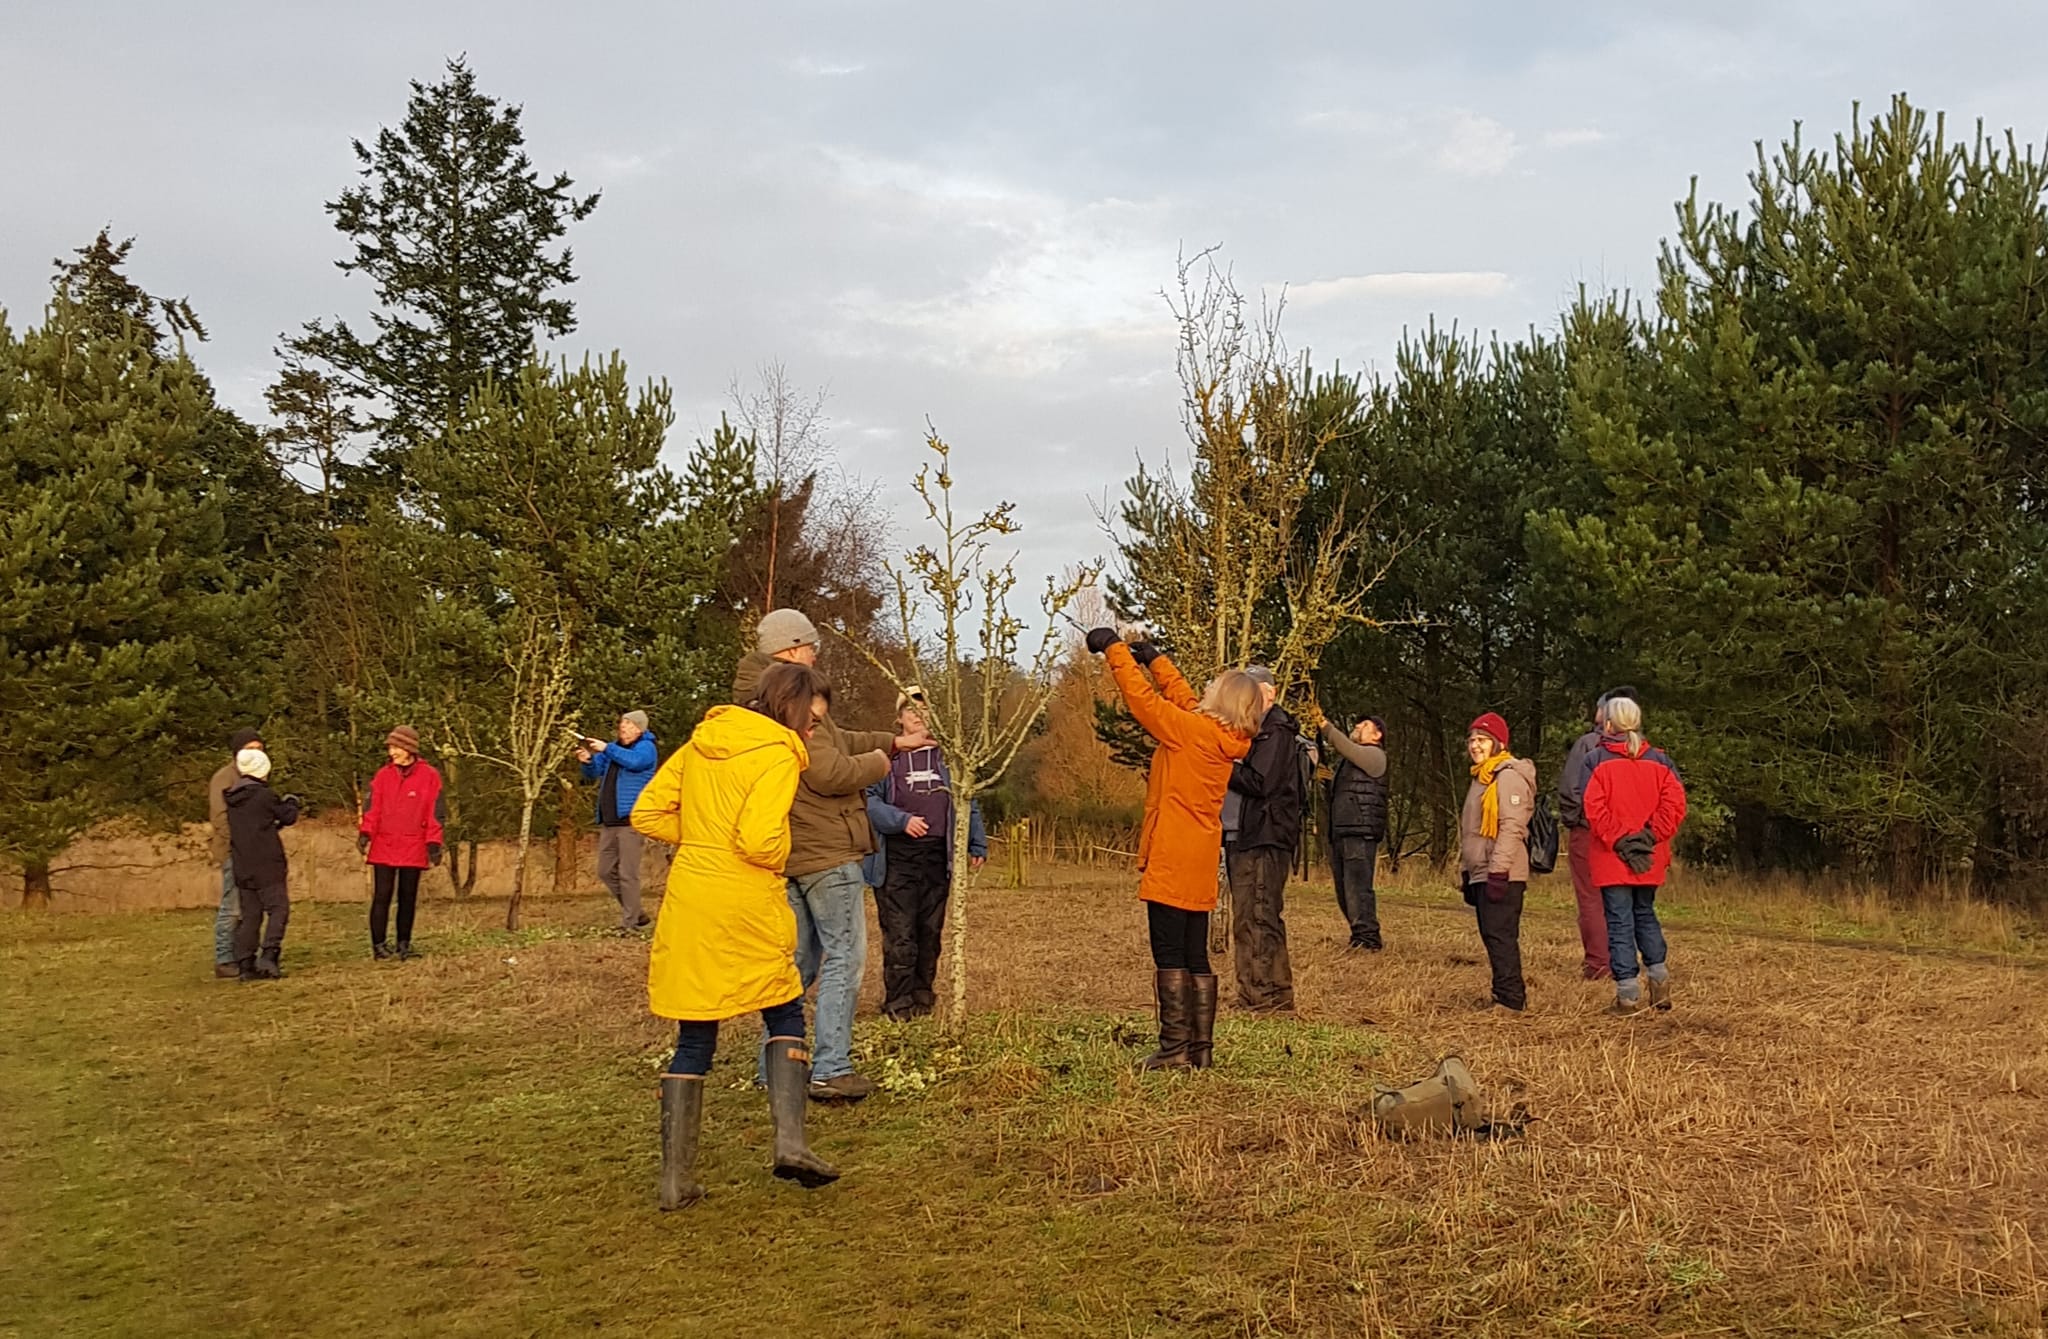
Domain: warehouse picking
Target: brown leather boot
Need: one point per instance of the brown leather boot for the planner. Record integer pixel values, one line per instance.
(1174, 989)
(1202, 1032)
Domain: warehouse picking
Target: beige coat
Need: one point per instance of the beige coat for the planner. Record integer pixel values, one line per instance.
(217, 810)
(828, 824)
(1508, 853)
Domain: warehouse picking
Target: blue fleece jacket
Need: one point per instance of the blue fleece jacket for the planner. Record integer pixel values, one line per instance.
(636, 763)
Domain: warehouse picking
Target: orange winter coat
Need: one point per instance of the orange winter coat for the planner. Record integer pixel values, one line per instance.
(1183, 834)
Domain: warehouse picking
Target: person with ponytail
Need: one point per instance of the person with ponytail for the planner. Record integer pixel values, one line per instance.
(1634, 804)
(1199, 741)
(1493, 851)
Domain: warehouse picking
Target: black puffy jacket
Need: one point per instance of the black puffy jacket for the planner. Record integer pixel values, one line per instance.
(1270, 781)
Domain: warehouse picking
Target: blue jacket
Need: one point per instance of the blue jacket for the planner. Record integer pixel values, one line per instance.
(636, 763)
(889, 821)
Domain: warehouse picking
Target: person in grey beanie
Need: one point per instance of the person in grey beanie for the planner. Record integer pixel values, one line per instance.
(621, 770)
(829, 837)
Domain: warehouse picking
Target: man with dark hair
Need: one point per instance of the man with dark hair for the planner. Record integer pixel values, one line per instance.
(225, 968)
(1571, 811)
(1268, 830)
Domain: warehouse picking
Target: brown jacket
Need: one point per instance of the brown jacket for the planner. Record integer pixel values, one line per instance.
(217, 810)
(1509, 852)
(828, 824)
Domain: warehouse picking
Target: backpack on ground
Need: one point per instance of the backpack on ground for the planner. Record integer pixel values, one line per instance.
(1543, 835)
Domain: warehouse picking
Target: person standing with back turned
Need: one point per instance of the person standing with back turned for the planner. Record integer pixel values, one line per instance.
(225, 967)
(1268, 830)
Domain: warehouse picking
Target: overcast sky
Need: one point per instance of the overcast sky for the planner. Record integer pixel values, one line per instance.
(964, 211)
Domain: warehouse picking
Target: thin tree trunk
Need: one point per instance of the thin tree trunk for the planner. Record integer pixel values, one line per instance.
(956, 898)
(469, 874)
(35, 886)
(519, 866)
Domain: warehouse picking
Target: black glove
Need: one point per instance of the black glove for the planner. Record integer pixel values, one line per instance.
(1145, 653)
(1101, 639)
(1638, 850)
(433, 853)
(362, 843)
(1496, 887)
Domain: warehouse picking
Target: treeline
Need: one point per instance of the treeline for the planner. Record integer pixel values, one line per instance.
(1795, 496)
(440, 526)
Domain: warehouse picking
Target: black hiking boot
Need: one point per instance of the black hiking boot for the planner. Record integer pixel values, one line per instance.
(267, 965)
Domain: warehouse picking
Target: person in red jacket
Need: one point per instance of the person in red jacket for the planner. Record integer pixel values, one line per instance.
(400, 835)
(1634, 803)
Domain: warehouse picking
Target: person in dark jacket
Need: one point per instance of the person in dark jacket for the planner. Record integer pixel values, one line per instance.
(224, 965)
(1268, 830)
(1571, 811)
(1358, 822)
(1634, 803)
(255, 814)
(400, 836)
(911, 869)
(621, 771)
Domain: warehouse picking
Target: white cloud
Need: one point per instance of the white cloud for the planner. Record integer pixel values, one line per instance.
(825, 69)
(1400, 284)
(1571, 139)
(1477, 146)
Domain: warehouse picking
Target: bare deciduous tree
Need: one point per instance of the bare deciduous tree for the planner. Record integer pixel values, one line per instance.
(980, 704)
(529, 738)
(788, 429)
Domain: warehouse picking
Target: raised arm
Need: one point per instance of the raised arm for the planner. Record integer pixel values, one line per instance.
(834, 773)
(1368, 758)
(1162, 720)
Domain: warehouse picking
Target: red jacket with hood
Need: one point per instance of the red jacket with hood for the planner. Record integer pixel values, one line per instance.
(1623, 794)
(404, 815)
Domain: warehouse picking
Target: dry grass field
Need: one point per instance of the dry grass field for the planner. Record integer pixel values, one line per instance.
(1841, 1129)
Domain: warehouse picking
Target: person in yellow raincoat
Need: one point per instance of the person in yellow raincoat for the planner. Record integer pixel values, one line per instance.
(725, 943)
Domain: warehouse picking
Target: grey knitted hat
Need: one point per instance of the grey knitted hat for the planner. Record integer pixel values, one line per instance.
(784, 630)
(638, 718)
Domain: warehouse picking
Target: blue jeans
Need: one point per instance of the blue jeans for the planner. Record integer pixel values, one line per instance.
(224, 919)
(832, 951)
(696, 1040)
(1631, 926)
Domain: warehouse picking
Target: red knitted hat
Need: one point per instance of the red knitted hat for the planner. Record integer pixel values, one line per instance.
(1490, 723)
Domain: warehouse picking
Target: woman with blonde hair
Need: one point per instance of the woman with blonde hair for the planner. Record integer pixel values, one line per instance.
(1634, 804)
(1199, 739)
(725, 942)
(1493, 851)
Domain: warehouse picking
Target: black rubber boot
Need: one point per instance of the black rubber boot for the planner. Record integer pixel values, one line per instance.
(1202, 1020)
(787, 1062)
(682, 1115)
(1174, 988)
(267, 965)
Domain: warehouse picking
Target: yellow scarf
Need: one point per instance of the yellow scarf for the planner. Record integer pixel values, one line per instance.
(1489, 803)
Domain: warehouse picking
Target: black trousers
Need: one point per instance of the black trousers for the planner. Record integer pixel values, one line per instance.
(1180, 939)
(911, 907)
(406, 882)
(1258, 927)
(1353, 861)
(271, 902)
(1500, 929)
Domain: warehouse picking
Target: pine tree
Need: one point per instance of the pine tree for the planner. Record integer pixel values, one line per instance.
(457, 232)
(572, 579)
(1821, 466)
(120, 615)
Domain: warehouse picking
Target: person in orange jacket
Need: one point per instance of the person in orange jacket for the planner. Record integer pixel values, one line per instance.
(1199, 739)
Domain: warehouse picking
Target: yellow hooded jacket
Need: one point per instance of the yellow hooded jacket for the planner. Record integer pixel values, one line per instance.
(725, 944)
